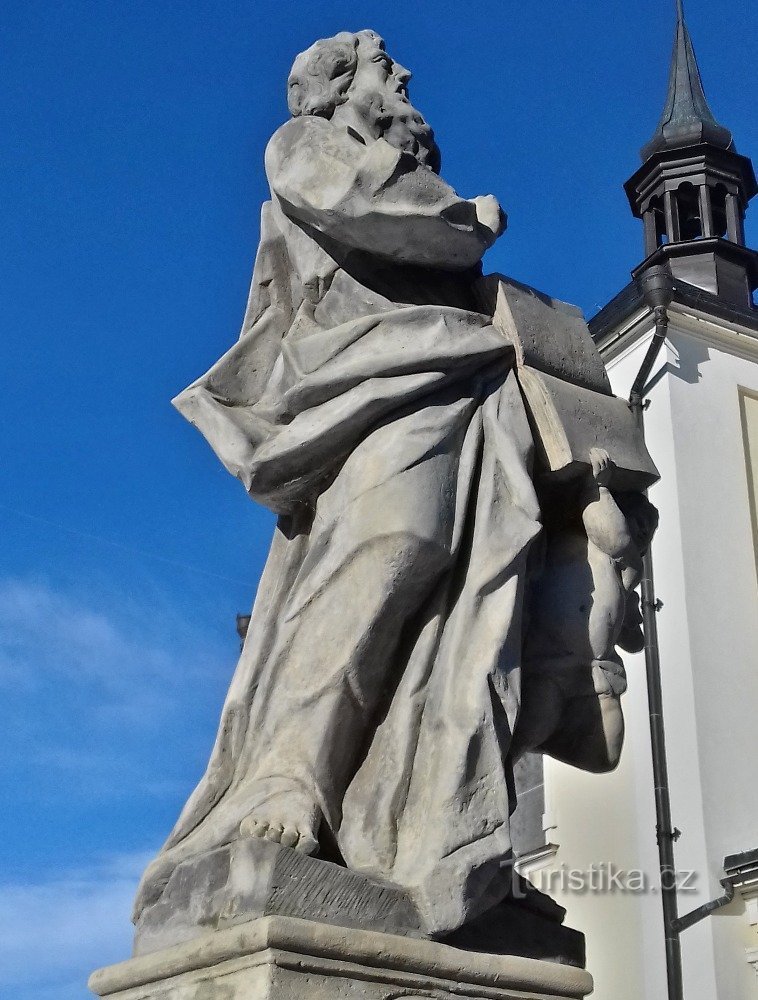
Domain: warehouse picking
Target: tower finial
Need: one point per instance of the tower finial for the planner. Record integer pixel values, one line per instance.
(687, 119)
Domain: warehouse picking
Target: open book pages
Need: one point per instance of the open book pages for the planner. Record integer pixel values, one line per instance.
(568, 421)
(547, 334)
(565, 386)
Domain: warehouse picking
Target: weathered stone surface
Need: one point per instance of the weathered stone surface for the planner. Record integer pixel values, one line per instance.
(571, 421)
(527, 829)
(255, 878)
(374, 406)
(281, 958)
(512, 928)
(571, 407)
(549, 335)
(583, 607)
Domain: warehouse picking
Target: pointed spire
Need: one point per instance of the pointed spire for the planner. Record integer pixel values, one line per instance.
(687, 120)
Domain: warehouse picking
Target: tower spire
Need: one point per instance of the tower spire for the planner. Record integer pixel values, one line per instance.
(687, 119)
(693, 189)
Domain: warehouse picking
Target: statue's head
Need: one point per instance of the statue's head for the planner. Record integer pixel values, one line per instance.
(351, 77)
(321, 76)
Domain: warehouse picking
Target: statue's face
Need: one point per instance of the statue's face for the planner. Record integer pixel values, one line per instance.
(379, 93)
(377, 72)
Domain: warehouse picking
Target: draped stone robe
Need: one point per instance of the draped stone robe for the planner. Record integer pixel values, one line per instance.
(376, 411)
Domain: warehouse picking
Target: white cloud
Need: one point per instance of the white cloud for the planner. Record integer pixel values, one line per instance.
(55, 933)
(91, 684)
(44, 632)
(109, 706)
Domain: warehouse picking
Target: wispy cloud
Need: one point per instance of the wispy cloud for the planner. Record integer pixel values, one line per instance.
(46, 634)
(91, 684)
(56, 933)
(109, 704)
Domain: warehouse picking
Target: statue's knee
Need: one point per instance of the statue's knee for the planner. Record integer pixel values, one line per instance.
(416, 559)
(397, 564)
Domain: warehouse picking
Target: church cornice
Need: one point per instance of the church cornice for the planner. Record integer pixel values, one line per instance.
(627, 317)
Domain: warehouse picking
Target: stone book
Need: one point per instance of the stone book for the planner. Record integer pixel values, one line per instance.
(546, 333)
(565, 387)
(568, 422)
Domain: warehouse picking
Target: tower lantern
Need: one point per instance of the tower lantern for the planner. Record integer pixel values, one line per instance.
(693, 188)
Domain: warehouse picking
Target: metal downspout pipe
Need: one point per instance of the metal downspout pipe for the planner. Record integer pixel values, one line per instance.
(657, 286)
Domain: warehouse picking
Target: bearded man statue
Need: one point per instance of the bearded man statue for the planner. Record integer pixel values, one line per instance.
(375, 409)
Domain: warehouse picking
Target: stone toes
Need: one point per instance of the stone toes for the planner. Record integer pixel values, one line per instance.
(278, 833)
(252, 827)
(307, 844)
(290, 836)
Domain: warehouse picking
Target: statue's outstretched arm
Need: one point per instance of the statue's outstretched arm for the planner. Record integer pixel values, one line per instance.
(376, 198)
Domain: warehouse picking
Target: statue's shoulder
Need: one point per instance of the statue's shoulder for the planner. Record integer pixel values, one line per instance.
(309, 138)
(303, 127)
(299, 134)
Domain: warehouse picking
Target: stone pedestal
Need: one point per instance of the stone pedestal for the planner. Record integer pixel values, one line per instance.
(285, 958)
(254, 878)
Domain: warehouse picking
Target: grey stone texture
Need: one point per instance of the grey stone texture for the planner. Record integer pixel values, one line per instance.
(527, 832)
(460, 525)
(282, 958)
(565, 387)
(256, 878)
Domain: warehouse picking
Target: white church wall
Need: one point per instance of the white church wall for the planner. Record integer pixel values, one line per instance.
(609, 820)
(708, 629)
(722, 616)
(677, 681)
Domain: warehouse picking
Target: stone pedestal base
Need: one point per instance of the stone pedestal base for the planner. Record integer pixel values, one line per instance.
(284, 958)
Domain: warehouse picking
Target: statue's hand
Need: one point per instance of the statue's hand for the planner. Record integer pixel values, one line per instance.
(602, 466)
(489, 214)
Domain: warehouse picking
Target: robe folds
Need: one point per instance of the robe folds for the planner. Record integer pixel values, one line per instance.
(380, 676)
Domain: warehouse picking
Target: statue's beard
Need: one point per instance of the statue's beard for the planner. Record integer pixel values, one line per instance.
(409, 132)
(393, 118)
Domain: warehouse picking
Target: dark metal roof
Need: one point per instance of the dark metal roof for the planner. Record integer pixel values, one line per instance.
(630, 299)
(687, 120)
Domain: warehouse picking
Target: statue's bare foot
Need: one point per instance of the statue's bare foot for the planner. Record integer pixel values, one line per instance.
(288, 818)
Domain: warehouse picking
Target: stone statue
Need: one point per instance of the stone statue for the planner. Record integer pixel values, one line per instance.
(424, 553)
(584, 605)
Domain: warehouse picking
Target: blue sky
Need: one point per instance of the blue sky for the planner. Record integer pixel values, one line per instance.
(131, 175)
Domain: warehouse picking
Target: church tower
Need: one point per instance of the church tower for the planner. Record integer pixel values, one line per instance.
(693, 188)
